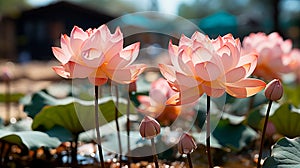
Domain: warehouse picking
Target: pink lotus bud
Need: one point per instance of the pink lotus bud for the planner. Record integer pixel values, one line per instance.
(6, 75)
(186, 144)
(132, 87)
(149, 128)
(274, 90)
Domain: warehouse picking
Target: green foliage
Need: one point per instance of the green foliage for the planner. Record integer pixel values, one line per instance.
(286, 120)
(75, 116)
(61, 133)
(229, 133)
(256, 116)
(12, 6)
(14, 97)
(254, 119)
(33, 104)
(29, 139)
(292, 94)
(235, 137)
(285, 154)
(242, 106)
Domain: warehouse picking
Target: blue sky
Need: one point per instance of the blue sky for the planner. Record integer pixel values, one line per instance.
(39, 2)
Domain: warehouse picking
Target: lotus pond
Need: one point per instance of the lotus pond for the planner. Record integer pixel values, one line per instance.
(214, 103)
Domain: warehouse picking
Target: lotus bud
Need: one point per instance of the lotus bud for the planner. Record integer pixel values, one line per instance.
(274, 90)
(186, 144)
(6, 75)
(149, 128)
(132, 87)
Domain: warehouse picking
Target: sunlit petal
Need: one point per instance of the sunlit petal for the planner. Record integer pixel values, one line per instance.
(173, 53)
(60, 55)
(110, 44)
(208, 71)
(125, 75)
(65, 45)
(201, 55)
(60, 70)
(211, 90)
(250, 59)
(77, 70)
(145, 100)
(168, 72)
(184, 82)
(185, 66)
(78, 33)
(187, 96)
(157, 97)
(126, 57)
(97, 81)
(245, 88)
(236, 74)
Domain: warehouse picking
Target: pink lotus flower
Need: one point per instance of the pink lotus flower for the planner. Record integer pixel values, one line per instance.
(154, 105)
(201, 65)
(98, 55)
(295, 55)
(273, 54)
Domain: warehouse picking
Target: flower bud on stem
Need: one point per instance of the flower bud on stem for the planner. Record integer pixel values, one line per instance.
(150, 128)
(273, 92)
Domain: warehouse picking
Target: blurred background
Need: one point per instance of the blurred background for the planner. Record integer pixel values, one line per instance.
(29, 28)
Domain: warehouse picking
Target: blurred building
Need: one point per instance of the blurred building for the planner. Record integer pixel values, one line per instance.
(31, 35)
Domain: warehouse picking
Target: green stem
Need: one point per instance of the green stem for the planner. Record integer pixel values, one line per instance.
(74, 147)
(117, 123)
(189, 160)
(263, 134)
(155, 158)
(128, 130)
(98, 128)
(7, 102)
(251, 102)
(208, 133)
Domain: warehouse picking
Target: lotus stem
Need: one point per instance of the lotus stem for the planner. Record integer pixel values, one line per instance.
(128, 130)
(155, 158)
(98, 128)
(74, 149)
(189, 160)
(251, 103)
(7, 101)
(117, 123)
(208, 133)
(263, 134)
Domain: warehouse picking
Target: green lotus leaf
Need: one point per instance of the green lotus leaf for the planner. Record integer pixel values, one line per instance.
(22, 125)
(241, 106)
(292, 94)
(33, 104)
(233, 119)
(286, 120)
(61, 133)
(254, 119)
(200, 138)
(76, 117)
(285, 154)
(232, 136)
(29, 139)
